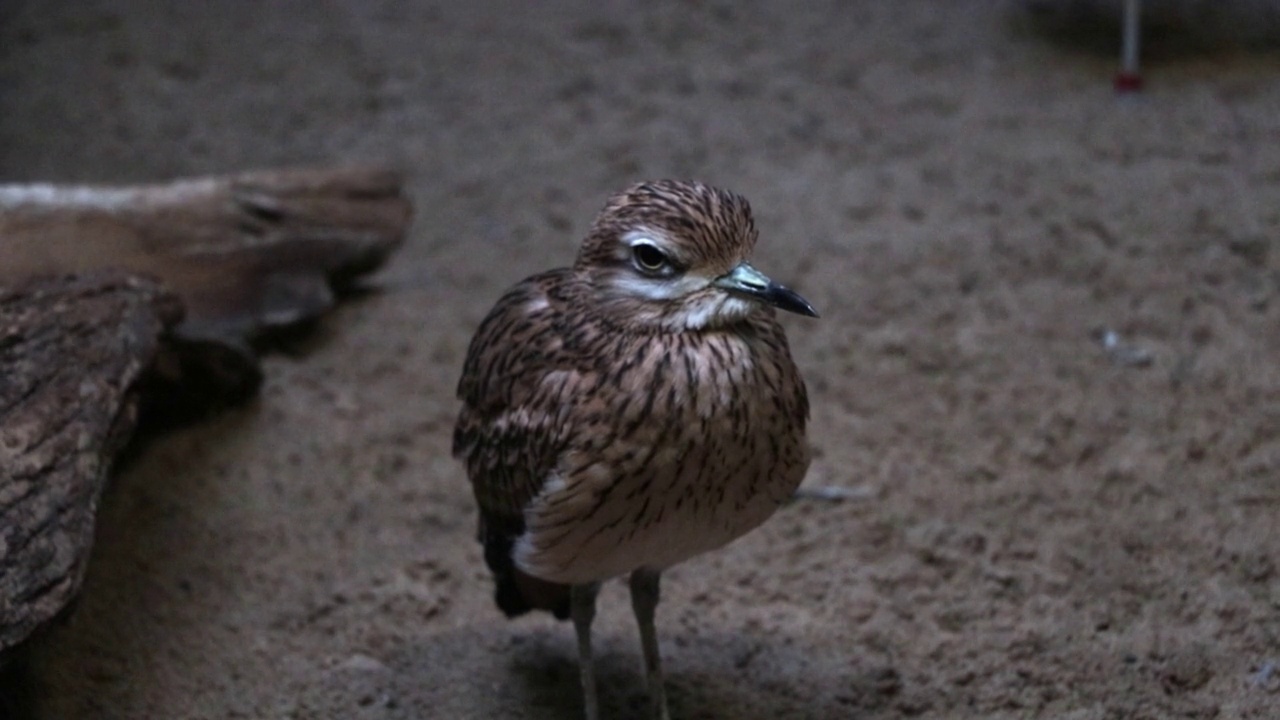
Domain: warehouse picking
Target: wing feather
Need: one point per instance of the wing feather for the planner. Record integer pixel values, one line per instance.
(515, 423)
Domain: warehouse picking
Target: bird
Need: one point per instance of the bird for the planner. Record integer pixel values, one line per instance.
(631, 411)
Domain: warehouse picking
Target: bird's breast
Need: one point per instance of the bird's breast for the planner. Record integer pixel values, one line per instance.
(689, 443)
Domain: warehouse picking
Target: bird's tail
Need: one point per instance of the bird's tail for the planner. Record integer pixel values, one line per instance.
(517, 592)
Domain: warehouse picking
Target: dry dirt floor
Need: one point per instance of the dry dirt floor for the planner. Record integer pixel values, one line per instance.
(1047, 371)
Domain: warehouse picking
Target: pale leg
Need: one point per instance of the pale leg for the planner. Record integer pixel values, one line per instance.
(644, 599)
(582, 599)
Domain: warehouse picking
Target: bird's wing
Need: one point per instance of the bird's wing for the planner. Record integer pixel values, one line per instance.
(513, 423)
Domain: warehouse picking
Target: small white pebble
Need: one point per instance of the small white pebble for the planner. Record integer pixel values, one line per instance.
(834, 493)
(362, 663)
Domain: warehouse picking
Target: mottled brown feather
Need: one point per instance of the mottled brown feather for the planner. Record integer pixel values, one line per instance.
(592, 423)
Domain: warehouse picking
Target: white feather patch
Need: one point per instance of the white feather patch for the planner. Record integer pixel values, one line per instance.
(656, 288)
(644, 235)
(717, 311)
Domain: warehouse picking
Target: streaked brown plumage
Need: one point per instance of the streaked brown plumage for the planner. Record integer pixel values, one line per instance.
(632, 411)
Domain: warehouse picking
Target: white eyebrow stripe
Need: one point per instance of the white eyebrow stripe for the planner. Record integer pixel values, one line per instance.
(647, 236)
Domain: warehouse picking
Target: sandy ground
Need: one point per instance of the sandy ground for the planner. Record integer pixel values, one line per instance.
(1046, 527)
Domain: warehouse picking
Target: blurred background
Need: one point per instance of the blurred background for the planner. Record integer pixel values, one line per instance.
(1048, 369)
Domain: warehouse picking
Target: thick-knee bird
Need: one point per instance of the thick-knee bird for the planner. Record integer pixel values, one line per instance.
(632, 411)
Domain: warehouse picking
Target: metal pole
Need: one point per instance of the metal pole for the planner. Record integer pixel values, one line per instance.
(1129, 79)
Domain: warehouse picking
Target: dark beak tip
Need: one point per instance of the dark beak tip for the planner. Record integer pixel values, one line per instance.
(791, 301)
(807, 311)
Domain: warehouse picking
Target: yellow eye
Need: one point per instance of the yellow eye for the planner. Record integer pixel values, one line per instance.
(648, 258)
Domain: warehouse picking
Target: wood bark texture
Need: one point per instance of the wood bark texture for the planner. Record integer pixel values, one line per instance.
(116, 298)
(72, 350)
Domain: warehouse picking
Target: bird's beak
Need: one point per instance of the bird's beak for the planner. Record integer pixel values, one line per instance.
(748, 281)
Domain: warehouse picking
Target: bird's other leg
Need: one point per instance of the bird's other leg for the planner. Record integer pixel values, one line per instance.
(582, 608)
(644, 600)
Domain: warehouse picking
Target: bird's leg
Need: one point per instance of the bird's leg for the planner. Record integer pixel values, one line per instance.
(644, 600)
(582, 599)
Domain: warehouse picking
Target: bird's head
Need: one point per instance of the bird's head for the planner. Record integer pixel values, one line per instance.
(671, 255)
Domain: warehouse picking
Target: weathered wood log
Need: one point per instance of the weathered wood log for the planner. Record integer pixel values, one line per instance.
(72, 350)
(104, 331)
(246, 253)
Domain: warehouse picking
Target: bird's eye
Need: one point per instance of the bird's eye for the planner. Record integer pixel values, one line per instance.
(649, 258)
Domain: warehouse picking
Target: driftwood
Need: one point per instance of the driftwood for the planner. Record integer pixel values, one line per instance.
(116, 298)
(71, 352)
(246, 253)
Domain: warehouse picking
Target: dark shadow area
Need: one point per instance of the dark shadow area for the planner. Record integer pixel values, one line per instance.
(141, 541)
(17, 682)
(722, 677)
(1171, 31)
(193, 380)
(547, 682)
